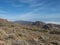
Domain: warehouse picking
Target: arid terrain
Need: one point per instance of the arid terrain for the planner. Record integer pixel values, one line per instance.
(34, 33)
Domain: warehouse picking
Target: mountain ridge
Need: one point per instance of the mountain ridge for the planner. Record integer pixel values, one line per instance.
(38, 24)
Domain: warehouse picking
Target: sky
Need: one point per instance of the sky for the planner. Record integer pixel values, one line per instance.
(30, 10)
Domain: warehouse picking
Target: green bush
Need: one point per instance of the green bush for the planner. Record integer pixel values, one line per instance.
(1, 24)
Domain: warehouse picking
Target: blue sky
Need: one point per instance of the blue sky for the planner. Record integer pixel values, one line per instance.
(30, 10)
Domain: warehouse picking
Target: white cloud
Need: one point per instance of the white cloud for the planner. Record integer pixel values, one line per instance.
(29, 1)
(35, 6)
(3, 12)
(33, 16)
(32, 3)
(53, 22)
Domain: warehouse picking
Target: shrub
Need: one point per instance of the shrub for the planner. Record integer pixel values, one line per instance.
(12, 25)
(11, 36)
(55, 32)
(1, 24)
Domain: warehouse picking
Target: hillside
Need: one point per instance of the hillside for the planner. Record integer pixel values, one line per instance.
(35, 33)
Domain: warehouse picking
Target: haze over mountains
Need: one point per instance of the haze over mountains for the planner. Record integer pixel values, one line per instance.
(27, 22)
(38, 23)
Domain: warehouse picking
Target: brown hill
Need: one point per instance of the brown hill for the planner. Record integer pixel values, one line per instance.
(37, 33)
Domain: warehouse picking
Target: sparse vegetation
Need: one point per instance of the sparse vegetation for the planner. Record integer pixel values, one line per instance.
(1, 24)
(55, 32)
(18, 34)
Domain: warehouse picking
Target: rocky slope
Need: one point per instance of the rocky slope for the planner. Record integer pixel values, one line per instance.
(37, 33)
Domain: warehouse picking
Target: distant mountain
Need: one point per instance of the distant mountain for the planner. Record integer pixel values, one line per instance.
(39, 24)
(29, 22)
(23, 22)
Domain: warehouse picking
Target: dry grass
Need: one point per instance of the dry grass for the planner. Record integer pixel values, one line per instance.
(17, 34)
